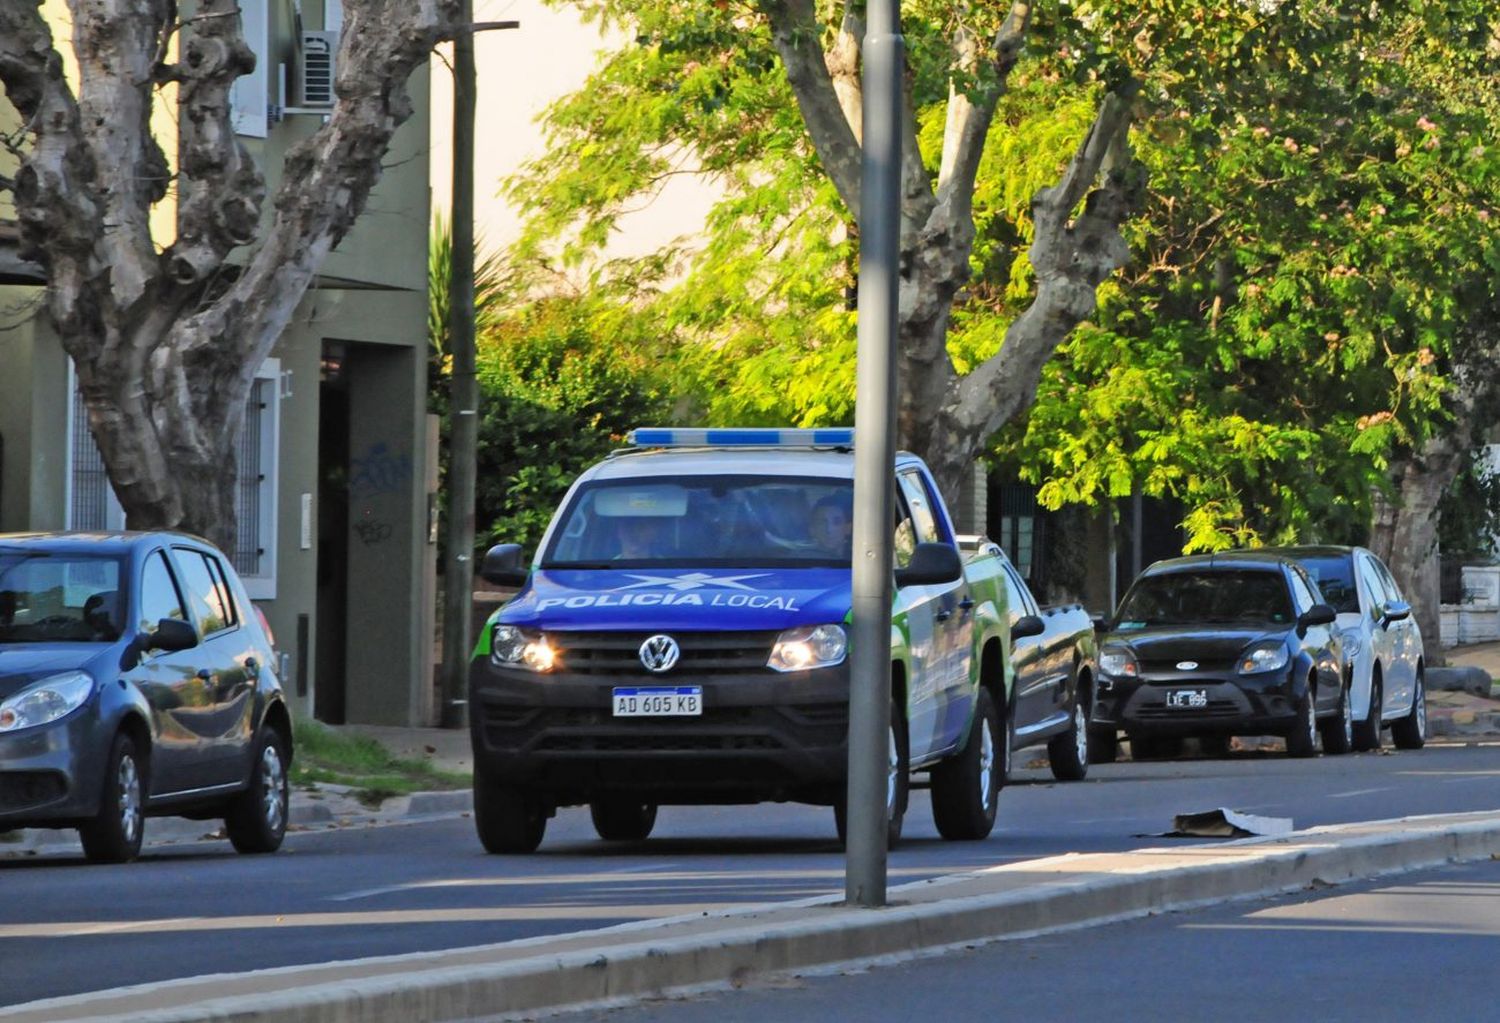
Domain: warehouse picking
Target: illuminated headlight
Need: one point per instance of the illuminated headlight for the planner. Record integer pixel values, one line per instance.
(814, 646)
(45, 701)
(521, 648)
(1264, 657)
(1118, 661)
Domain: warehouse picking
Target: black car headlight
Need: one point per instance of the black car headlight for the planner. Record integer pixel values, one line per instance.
(1119, 662)
(1263, 657)
(45, 700)
(527, 649)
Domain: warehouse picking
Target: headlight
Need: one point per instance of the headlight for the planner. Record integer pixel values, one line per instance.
(1263, 657)
(1119, 662)
(45, 700)
(521, 648)
(812, 646)
(1351, 643)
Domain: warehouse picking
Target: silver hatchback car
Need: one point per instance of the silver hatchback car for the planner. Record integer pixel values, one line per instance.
(1381, 639)
(136, 680)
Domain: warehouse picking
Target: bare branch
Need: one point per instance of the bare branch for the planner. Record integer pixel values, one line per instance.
(794, 28)
(843, 67)
(970, 113)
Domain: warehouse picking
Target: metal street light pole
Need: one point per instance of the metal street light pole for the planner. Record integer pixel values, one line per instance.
(874, 456)
(463, 387)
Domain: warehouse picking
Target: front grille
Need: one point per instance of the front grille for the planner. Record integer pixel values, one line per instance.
(658, 742)
(1169, 667)
(21, 790)
(618, 653)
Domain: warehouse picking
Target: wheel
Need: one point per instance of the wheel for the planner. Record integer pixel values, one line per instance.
(897, 785)
(1155, 747)
(966, 787)
(508, 819)
(1068, 753)
(114, 835)
(1104, 745)
(1338, 732)
(622, 820)
(256, 821)
(1410, 732)
(1367, 728)
(1302, 740)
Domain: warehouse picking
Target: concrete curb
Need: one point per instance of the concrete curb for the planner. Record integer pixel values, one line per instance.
(1460, 678)
(684, 954)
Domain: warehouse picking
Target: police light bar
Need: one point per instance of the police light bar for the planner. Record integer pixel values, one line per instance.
(672, 437)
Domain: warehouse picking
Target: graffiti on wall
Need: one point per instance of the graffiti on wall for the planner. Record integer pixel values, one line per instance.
(380, 470)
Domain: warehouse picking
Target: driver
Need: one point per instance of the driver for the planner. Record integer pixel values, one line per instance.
(831, 525)
(639, 537)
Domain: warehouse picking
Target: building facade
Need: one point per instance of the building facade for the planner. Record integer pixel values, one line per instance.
(337, 459)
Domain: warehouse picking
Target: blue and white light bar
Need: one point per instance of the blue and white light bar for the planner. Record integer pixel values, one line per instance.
(698, 437)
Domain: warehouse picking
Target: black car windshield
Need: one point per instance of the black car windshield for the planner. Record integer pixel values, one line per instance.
(705, 521)
(53, 598)
(1335, 578)
(1209, 597)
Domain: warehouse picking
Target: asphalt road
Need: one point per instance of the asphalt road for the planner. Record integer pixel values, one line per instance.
(1413, 948)
(198, 908)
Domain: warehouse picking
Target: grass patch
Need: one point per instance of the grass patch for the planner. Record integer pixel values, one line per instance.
(324, 756)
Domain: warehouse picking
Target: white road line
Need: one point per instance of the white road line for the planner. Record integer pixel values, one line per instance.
(1356, 792)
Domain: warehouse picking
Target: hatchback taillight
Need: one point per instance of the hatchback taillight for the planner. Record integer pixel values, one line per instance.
(264, 624)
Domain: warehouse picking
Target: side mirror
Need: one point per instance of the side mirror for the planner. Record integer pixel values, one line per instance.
(1101, 624)
(931, 564)
(172, 634)
(1397, 610)
(1027, 625)
(1318, 614)
(502, 565)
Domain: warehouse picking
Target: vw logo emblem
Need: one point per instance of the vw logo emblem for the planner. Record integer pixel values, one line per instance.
(659, 653)
(1183, 665)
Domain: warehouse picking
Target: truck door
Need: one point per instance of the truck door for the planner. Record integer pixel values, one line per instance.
(953, 623)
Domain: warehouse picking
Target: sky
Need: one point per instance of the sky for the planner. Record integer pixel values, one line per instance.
(521, 71)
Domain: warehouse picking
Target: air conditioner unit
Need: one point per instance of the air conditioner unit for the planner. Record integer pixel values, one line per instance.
(315, 68)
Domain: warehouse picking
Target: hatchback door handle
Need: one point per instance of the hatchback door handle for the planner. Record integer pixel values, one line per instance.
(943, 615)
(966, 603)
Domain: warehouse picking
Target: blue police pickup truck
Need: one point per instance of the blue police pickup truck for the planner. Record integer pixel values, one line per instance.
(680, 637)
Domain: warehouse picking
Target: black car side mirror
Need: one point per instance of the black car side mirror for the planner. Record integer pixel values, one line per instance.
(1318, 614)
(1027, 625)
(1101, 624)
(502, 565)
(931, 564)
(172, 634)
(1396, 610)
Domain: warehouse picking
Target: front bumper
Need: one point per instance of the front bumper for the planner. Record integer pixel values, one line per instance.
(51, 775)
(763, 735)
(1236, 705)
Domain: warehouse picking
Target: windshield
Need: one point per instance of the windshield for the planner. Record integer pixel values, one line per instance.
(1335, 578)
(46, 598)
(706, 521)
(1206, 598)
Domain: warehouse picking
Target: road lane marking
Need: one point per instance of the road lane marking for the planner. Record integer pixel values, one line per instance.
(1357, 792)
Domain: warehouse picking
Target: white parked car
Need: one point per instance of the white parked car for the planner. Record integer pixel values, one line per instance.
(1381, 640)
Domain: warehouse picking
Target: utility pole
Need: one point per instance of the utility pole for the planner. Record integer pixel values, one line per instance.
(874, 457)
(463, 386)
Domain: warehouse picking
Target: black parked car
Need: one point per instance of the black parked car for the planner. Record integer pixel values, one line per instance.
(1220, 645)
(136, 679)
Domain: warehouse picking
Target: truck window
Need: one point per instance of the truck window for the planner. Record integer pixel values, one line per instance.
(920, 504)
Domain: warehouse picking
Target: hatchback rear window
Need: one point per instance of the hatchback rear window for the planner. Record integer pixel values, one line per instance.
(1335, 579)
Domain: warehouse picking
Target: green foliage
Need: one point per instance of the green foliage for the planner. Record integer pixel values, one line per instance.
(562, 381)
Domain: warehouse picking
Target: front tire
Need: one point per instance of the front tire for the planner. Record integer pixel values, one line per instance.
(897, 785)
(1068, 754)
(1367, 729)
(256, 822)
(1338, 733)
(114, 834)
(1302, 740)
(966, 788)
(508, 819)
(622, 820)
(1411, 731)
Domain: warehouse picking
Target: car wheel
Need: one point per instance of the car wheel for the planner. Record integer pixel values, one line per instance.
(1302, 740)
(1068, 753)
(1338, 732)
(966, 788)
(1411, 731)
(622, 820)
(1104, 745)
(256, 822)
(508, 819)
(115, 832)
(1367, 728)
(897, 785)
(1155, 747)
